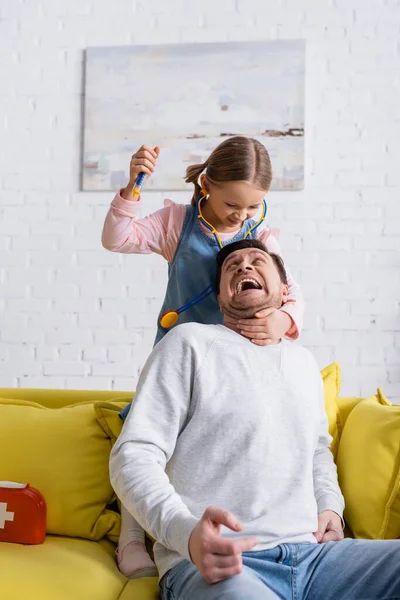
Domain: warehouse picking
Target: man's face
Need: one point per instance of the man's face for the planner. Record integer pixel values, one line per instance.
(250, 282)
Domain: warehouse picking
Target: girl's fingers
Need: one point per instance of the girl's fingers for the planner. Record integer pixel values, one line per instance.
(146, 154)
(138, 158)
(262, 342)
(152, 151)
(254, 328)
(260, 335)
(251, 322)
(245, 334)
(149, 153)
(140, 162)
(143, 169)
(265, 313)
(143, 158)
(143, 161)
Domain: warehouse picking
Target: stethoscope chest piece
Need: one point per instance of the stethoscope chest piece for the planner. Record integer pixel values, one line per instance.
(169, 318)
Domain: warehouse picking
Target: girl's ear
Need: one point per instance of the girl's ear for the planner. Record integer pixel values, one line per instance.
(204, 183)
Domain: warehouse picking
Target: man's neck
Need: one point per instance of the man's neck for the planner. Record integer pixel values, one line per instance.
(233, 325)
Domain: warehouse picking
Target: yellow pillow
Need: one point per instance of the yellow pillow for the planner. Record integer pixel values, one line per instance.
(331, 379)
(369, 468)
(65, 454)
(345, 406)
(108, 417)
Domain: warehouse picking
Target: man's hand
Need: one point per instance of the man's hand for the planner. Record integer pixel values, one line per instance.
(218, 558)
(268, 326)
(329, 527)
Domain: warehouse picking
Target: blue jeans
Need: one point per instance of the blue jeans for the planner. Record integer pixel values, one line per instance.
(345, 570)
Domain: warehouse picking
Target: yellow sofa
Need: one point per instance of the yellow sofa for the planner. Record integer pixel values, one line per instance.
(63, 567)
(67, 567)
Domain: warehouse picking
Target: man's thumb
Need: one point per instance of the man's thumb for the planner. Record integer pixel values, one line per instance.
(219, 516)
(157, 150)
(322, 525)
(318, 535)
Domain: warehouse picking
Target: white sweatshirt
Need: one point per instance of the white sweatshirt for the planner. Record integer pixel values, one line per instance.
(220, 421)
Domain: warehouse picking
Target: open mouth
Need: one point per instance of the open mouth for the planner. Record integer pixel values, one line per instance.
(247, 284)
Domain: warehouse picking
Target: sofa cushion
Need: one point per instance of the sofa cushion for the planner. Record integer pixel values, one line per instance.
(331, 378)
(369, 468)
(107, 414)
(56, 398)
(345, 406)
(145, 588)
(65, 568)
(64, 453)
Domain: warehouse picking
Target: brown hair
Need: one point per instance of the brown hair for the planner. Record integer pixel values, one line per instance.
(238, 158)
(241, 245)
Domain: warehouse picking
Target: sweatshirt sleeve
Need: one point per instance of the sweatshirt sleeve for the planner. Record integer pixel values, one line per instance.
(294, 305)
(139, 457)
(159, 232)
(326, 487)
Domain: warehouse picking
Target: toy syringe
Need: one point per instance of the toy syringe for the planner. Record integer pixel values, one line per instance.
(138, 184)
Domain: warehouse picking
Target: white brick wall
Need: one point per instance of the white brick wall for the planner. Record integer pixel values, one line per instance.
(73, 315)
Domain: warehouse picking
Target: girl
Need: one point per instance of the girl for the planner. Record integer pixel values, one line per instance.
(229, 190)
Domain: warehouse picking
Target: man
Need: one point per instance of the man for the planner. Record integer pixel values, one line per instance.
(225, 460)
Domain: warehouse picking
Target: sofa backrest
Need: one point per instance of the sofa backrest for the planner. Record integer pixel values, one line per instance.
(58, 398)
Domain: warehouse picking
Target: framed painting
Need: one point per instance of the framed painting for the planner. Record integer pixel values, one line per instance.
(187, 98)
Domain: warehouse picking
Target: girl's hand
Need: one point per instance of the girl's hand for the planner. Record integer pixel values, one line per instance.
(268, 326)
(143, 161)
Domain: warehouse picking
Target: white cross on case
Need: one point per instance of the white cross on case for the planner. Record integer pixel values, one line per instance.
(5, 515)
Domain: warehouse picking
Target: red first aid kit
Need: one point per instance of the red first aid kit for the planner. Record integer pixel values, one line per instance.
(22, 514)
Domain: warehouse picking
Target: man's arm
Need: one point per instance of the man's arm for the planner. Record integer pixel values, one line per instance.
(147, 442)
(326, 487)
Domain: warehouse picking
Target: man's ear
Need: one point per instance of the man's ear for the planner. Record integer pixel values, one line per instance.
(285, 292)
(220, 307)
(204, 182)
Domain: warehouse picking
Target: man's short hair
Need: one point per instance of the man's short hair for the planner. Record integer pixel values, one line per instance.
(241, 245)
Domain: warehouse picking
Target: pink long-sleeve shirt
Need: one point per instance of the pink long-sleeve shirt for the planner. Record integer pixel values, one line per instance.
(160, 232)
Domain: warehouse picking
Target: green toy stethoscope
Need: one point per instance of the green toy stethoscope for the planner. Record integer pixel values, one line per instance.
(169, 318)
